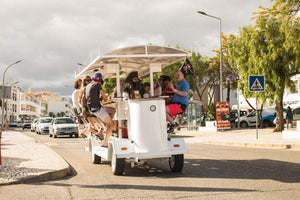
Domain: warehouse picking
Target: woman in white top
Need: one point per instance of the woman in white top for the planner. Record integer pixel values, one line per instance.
(75, 99)
(157, 88)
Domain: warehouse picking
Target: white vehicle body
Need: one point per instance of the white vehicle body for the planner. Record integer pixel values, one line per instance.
(33, 125)
(146, 118)
(63, 126)
(43, 125)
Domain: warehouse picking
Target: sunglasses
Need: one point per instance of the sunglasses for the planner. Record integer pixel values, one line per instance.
(88, 80)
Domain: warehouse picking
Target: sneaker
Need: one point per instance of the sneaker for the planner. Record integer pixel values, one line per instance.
(100, 137)
(172, 127)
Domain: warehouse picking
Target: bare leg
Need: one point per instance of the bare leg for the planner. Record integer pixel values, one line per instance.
(109, 127)
(169, 118)
(110, 111)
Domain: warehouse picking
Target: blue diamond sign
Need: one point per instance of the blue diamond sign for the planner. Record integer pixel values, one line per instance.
(256, 83)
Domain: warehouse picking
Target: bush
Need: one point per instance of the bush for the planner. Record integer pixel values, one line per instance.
(211, 111)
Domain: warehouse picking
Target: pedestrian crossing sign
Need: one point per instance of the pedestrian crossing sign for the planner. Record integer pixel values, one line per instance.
(256, 83)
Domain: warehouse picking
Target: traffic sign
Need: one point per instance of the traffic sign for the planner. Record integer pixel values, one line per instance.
(256, 83)
(6, 94)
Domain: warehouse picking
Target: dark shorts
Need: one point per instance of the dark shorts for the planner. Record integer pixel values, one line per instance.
(176, 108)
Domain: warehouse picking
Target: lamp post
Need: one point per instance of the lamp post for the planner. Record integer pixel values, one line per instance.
(221, 73)
(79, 67)
(3, 93)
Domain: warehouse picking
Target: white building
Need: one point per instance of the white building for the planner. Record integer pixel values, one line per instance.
(59, 106)
(31, 107)
(13, 105)
(23, 106)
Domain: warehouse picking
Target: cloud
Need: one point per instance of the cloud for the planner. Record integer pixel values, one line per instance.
(51, 36)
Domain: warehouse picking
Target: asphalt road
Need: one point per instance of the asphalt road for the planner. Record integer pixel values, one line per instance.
(210, 172)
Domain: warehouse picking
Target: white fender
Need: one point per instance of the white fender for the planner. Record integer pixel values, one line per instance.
(122, 147)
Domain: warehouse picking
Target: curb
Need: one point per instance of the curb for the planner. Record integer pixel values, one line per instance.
(280, 146)
(48, 176)
(63, 171)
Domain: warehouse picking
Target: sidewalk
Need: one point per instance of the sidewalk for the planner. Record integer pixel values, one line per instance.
(242, 137)
(24, 160)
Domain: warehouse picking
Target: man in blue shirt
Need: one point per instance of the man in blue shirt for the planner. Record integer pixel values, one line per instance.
(179, 101)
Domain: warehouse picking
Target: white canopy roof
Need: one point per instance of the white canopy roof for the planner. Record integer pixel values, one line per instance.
(137, 58)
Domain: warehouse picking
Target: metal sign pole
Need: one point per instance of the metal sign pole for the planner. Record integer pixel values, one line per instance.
(256, 83)
(3, 92)
(256, 115)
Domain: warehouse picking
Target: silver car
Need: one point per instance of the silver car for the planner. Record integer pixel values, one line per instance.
(250, 119)
(33, 125)
(43, 125)
(296, 116)
(63, 126)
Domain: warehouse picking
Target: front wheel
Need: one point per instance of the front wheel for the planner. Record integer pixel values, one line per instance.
(117, 165)
(176, 163)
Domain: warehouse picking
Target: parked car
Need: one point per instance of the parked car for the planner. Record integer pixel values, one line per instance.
(269, 120)
(19, 124)
(12, 124)
(234, 115)
(26, 124)
(43, 125)
(296, 116)
(33, 125)
(63, 126)
(250, 119)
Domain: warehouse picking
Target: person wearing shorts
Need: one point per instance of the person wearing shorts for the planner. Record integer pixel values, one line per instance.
(179, 101)
(93, 92)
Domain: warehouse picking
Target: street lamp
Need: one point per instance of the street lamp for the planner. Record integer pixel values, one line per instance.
(15, 83)
(221, 73)
(3, 93)
(80, 65)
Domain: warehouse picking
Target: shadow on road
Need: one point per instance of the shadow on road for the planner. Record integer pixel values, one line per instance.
(224, 169)
(156, 188)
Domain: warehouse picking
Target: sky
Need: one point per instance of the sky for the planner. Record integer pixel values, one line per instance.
(52, 36)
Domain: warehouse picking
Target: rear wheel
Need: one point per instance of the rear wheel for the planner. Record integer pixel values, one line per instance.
(244, 125)
(117, 165)
(176, 163)
(96, 159)
(266, 124)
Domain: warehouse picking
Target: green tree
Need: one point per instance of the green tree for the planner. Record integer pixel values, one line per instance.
(109, 85)
(51, 114)
(211, 110)
(205, 74)
(230, 70)
(271, 48)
